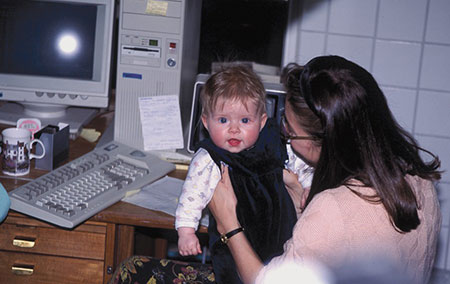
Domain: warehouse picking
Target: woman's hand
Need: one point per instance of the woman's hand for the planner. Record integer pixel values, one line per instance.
(223, 204)
(295, 189)
(223, 207)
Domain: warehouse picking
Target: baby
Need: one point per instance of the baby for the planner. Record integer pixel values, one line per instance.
(242, 137)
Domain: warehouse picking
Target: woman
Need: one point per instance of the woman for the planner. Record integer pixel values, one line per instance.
(371, 195)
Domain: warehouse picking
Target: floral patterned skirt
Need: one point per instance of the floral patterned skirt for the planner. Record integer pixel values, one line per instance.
(144, 269)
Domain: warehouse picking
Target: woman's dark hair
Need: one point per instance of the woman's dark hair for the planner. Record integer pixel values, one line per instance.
(305, 116)
(360, 138)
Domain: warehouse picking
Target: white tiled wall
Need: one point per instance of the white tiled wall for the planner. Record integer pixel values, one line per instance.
(405, 44)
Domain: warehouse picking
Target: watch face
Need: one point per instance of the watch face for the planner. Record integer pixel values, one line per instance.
(224, 239)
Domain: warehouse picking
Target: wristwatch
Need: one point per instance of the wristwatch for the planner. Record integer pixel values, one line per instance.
(226, 237)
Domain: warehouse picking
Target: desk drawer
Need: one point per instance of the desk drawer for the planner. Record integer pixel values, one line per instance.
(26, 235)
(34, 268)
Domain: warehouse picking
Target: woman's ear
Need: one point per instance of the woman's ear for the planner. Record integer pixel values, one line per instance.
(205, 124)
(263, 120)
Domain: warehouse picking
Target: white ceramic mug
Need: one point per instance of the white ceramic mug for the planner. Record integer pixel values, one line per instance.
(16, 151)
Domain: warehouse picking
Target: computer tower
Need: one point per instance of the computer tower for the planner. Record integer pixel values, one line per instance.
(158, 43)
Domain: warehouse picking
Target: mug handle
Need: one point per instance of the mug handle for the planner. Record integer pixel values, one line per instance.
(33, 156)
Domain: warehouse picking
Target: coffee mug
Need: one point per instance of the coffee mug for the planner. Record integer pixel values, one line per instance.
(16, 151)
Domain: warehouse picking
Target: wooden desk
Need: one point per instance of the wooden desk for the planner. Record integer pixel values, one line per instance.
(87, 254)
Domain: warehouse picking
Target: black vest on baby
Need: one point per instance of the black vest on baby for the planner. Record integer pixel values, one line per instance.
(264, 207)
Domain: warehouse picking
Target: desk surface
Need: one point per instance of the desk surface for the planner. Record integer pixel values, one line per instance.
(119, 213)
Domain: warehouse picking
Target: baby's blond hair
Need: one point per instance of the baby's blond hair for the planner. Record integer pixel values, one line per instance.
(235, 82)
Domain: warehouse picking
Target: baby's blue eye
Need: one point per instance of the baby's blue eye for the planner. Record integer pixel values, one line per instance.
(245, 120)
(222, 120)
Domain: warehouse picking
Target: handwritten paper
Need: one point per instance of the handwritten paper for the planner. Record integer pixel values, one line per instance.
(161, 122)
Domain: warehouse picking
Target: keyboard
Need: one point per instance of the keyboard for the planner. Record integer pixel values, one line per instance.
(74, 192)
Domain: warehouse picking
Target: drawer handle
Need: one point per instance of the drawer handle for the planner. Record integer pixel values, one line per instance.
(24, 242)
(25, 270)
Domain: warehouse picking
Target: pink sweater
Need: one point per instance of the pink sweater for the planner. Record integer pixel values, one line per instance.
(338, 227)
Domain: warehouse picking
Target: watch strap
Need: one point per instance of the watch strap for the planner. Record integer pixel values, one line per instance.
(226, 237)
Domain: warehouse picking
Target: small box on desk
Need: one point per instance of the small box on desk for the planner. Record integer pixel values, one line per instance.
(56, 143)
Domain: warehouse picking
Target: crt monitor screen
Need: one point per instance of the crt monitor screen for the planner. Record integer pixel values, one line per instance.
(55, 54)
(275, 96)
(58, 43)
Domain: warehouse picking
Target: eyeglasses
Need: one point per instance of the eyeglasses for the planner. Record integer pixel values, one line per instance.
(286, 132)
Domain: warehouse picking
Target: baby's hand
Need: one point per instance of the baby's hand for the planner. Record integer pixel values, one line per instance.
(188, 243)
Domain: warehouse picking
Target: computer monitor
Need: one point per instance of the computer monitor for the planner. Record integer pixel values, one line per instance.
(275, 97)
(55, 58)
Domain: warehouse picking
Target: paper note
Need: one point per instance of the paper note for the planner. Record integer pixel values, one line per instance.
(161, 122)
(157, 7)
(162, 195)
(90, 134)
